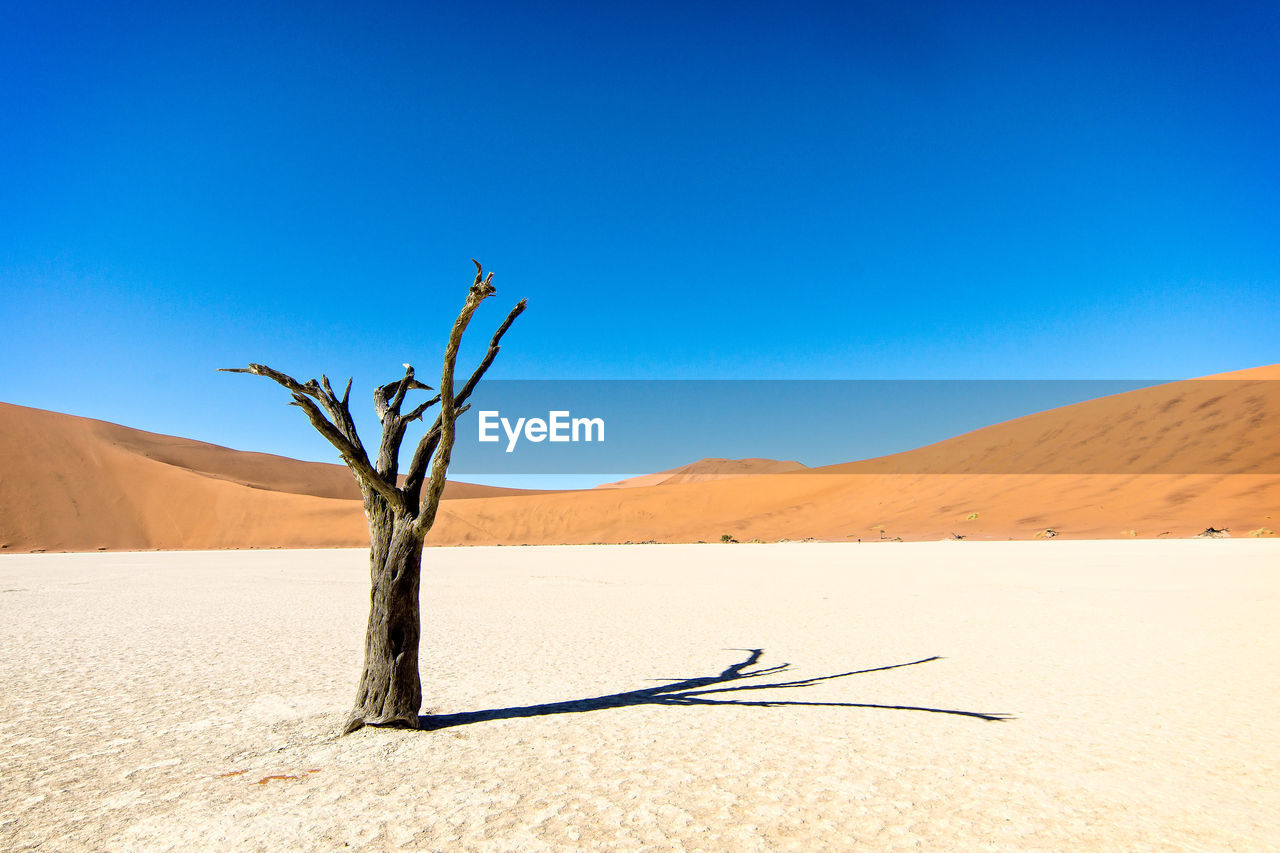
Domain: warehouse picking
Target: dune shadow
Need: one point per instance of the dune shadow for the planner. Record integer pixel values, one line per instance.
(695, 691)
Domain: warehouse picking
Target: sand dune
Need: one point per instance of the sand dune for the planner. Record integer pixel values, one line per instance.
(879, 506)
(579, 700)
(1219, 425)
(71, 483)
(1170, 460)
(706, 470)
(262, 470)
(1167, 461)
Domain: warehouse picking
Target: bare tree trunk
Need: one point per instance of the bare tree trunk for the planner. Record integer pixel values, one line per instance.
(400, 515)
(390, 692)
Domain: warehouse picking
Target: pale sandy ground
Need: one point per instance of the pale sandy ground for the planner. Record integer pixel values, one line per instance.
(146, 694)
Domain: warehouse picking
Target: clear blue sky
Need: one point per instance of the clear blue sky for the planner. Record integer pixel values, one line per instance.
(682, 190)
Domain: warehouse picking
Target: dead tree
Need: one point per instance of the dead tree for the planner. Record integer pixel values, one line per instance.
(400, 513)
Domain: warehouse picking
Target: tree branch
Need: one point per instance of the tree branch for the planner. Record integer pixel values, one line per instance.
(417, 411)
(283, 378)
(434, 450)
(400, 387)
(492, 353)
(481, 289)
(341, 435)
(427, 446)
(393, 423)
(418, 464)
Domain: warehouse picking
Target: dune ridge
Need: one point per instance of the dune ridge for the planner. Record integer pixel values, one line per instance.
(1215, 425)
(706, 470)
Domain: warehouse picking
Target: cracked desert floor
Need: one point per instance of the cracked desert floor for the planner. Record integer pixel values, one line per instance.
(802, 696)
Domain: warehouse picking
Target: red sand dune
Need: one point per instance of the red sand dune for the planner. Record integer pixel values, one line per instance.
(1218, 424)
(75, 484)
(1130, 465)
(705, 470)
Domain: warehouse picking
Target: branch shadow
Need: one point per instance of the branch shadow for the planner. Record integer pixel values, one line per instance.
(694, 691)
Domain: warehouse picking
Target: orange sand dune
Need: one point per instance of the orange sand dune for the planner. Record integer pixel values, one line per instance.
(71, 483)
(870, 507)
(705, 470)
(1164, 461)
(1170, 460)
(1223, 425)
(261, 470)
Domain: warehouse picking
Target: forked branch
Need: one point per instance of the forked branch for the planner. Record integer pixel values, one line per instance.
(429, 443)
(396, 390)
(342, 434)
(331, 417)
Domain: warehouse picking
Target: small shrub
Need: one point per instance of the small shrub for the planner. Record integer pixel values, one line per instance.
(725, 537)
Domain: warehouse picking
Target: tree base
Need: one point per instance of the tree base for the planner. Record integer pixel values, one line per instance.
(357, 720)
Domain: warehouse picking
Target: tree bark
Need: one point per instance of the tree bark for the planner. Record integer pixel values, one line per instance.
(390, 692)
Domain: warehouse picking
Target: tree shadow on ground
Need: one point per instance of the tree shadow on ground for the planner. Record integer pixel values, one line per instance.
(694, 691)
